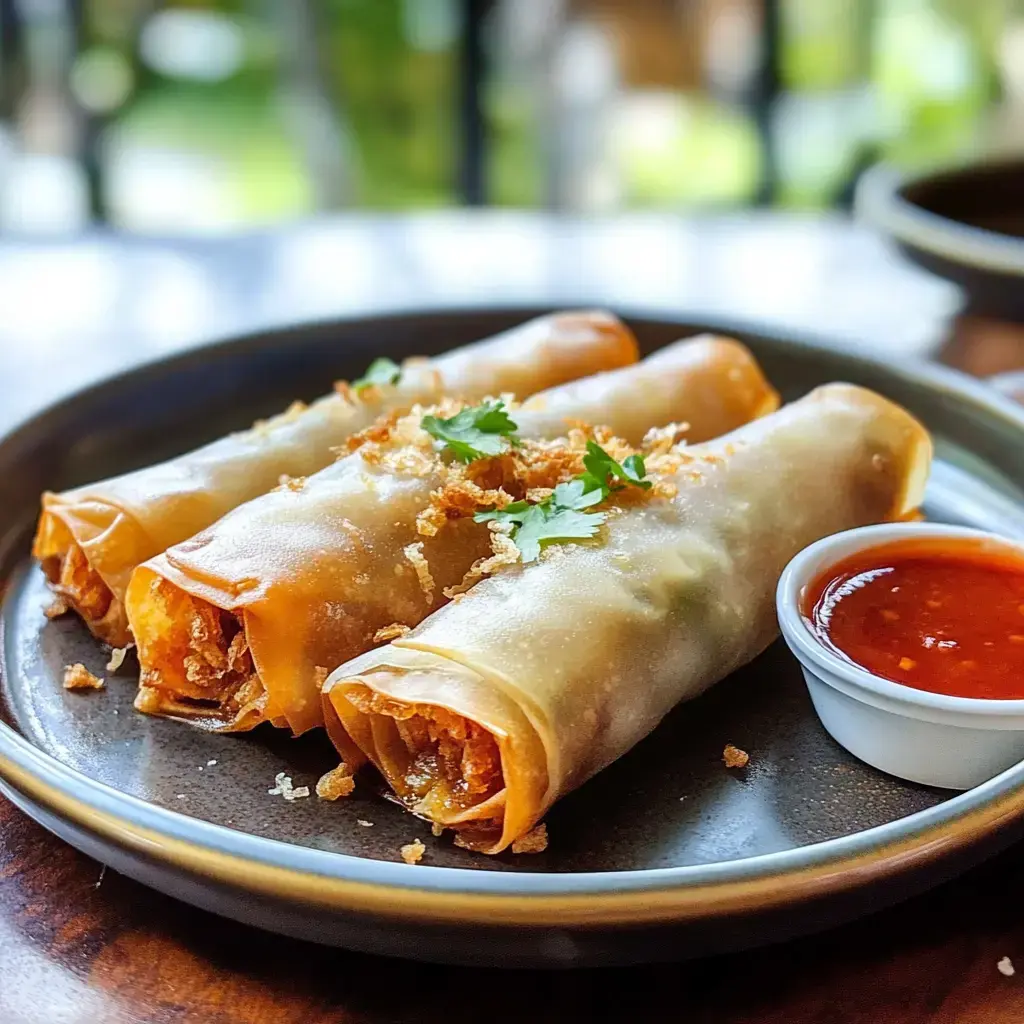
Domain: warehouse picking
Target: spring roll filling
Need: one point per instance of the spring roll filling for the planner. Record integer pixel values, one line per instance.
(201, 666)
(72, 578)
(439, 763)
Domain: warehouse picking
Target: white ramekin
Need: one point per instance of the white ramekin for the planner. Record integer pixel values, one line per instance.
(952, 742)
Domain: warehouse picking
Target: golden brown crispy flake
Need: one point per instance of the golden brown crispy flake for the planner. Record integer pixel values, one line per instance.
(414, 556)
(377, 432)
(412, 853)
(734, 757)
(57, 607)
(535, 841)
(659, 440)
(78, 677)
(458, 498)
(371, 453)
(290, 483)
(505, 553)
(429, 521)
(336, 783)
(392, 632)
(410, 461)
(397, 430)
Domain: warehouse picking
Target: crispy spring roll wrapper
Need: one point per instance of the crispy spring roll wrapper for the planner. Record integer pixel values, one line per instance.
(542, 675)
(89, 540)
(239, 624)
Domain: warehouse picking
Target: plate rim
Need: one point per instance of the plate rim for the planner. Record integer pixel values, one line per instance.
(426, 893)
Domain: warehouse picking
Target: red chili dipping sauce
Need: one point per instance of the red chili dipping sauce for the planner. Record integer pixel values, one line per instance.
(940, 614)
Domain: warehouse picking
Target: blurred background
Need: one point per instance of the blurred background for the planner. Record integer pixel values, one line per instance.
(205, 117)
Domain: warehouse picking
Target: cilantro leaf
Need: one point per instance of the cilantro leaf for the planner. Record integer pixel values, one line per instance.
(575, 494)
(476, 432)
(545, 523)
(533, 526)
(513, 513)
(560, 517)
(635, 470)
(601, 469)
(380, 371)
(494, 419)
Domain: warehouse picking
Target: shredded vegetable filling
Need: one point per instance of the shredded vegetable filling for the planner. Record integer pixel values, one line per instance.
(73, 578)
(442, 764)
(210, 645)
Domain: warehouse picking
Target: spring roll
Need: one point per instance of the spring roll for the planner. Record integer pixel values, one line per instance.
(543, 674)
(239, 624)
(90, 539)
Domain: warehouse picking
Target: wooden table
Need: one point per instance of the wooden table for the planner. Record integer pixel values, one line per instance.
(82, 945)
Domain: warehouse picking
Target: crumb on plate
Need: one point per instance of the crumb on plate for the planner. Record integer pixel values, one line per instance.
(535, 841)
(364, 823)
(336, 783)
(734, 757)
(412, 853)
(117, 656)
(1006, 968)
(57, 607)
(78, 677)
(283, 787)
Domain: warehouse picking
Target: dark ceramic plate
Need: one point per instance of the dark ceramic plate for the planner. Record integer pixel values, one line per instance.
(665, 854)
(966, 225)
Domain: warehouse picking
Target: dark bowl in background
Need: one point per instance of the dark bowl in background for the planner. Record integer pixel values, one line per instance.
(965, 224)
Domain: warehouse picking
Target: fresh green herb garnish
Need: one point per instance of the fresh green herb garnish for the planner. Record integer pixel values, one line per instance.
(535, 525)
(559, 517)
(380, 371)
(575, 495)
(545, 523)
(602, 470)
(514, 513)
(476, 432)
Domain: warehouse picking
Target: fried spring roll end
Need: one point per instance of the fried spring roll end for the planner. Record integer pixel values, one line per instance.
(475, 775)
(73, 579)
(195, 658)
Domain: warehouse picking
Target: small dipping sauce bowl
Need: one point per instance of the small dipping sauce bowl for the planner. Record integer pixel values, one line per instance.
(934, 738)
